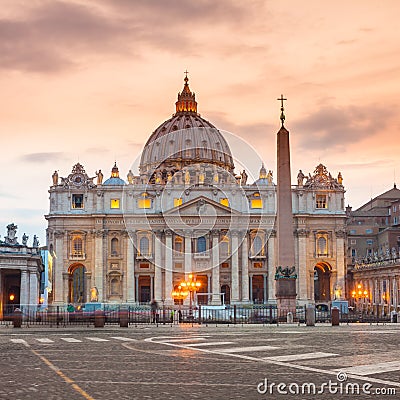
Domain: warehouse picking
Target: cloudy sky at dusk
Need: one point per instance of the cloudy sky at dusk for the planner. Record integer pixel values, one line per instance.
(90, 80)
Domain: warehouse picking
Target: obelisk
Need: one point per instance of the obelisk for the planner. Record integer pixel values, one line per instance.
(285, 275)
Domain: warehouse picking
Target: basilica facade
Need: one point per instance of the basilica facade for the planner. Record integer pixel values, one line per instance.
(187, 212)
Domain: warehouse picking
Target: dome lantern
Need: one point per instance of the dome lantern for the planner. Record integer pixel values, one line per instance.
(186, 99)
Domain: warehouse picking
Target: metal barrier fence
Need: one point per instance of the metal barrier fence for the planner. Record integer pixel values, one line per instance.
(135, 315)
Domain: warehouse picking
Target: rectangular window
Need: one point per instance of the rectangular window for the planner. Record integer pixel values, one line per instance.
(144, 203)
(144, 265)
(395, 221)
(368, 231)
(177, 202)
(352, 232)
(321, 201)
(224, 202)
(225, 265)
(258, 265)
(178, 265)
(256, 203)
(353, 252)
(77, 201)
(353, 241)
(370, 242)
(114, 203)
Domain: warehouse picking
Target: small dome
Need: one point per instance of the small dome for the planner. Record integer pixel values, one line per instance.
(114, 179)
(185, 139)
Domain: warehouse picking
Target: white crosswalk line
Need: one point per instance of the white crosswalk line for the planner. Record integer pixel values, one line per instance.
(248, 349)
(44, 340)
(71, 340)
(304, 356)
(371, 369)
(207, 344)
(183, 340)
(97, 339)
(124, 339)
(20, 341)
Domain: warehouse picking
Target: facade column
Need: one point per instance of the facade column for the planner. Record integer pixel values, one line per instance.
(235, 268)
(65, 277)
(137, 298)
(33, 288)
(271, 267)
(340, 264)
(98, 264)
(130, 267)
(216, 297)
(157, 267)
(302, 278)
(265, 288)
(188, 252)
(168, 269)
(251, 288)
(58, 268)
(24, 289)
(245, 270)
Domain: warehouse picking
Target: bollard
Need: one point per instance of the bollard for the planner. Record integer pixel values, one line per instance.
(17, 318)
(289, 317)
(393, 316)
(123, 318)
(99, 319)
(335, 316)
(310, 315)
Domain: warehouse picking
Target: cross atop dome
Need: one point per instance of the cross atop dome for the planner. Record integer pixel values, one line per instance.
(186, 99)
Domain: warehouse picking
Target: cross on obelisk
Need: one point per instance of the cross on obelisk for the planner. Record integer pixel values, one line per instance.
(186, 73)
(282, 99)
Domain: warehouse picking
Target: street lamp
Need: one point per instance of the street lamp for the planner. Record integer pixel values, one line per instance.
(192, 286)
(358, 294)
(179, 294)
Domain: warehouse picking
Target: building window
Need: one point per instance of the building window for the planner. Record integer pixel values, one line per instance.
(321, 201)
(322, 244)
(257, 247)
(144, 201)
(352, 232)
(370, 242)
(353, 241)
(114, 203)
(77, 201)
(201, 244)
(256, 201)
(178, 266)
(77, 246)
(144, 246)
(224, 202)
(258, 265)
(368, 231)
(114, 246)
(353, 253)
(395, 221)
(178, 244)
(144, 265)
(177, 202)
(224, 245)
(225, 265)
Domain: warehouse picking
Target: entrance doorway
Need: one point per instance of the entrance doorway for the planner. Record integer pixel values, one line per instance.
(257, 287)
(322, 278)
(226, 294)
(77, 284)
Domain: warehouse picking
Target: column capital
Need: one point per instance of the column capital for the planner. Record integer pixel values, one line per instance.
(302, 232)
(168, 232)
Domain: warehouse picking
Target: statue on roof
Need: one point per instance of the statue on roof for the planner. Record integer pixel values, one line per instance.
(25, 239)
(340, 179)
(11, 234)
(300, 178)
(130, 177)
(244, 178)
(55, 178)
(35, 241)
(100, 176)
(269, 177)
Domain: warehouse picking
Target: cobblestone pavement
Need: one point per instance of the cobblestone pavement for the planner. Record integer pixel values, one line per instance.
(201, 362)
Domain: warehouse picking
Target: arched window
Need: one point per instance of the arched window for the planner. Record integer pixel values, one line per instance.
(322, 248)
(257, 246)
(201, 244)
(178, 244)
(77, 246)
(77, 285)
(144, 246)
(114, 246)
(224, 245)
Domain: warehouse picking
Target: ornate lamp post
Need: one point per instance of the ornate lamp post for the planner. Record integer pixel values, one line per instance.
(191, 286)
(358, 294)
(180, 294)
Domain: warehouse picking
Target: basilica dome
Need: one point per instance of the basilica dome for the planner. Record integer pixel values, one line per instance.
(185, 139)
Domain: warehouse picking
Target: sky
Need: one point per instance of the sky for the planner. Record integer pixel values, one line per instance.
(90, 80)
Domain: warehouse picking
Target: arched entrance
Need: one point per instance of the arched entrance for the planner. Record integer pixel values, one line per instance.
(322, 284)
(77, 284)
(226, 294)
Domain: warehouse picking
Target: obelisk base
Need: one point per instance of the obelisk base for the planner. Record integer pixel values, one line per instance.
(286, 296)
